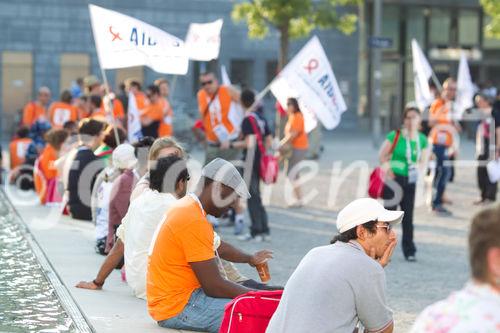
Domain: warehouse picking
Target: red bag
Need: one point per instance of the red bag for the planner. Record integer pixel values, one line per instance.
(250, 312)
(269, 165)
(377, 177)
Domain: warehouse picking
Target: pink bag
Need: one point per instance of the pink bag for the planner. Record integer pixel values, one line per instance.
(269, 165)
(250, 312)
(377, 177)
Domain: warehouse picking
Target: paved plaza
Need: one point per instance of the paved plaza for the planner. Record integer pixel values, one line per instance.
(442, 242)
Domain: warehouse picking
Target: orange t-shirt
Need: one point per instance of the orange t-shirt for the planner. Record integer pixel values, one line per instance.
(296, 123)
(166, 127)
(141, 100)
(18, 148)
(47, 169)
(117, 111)
(153, 111)
(217, 114)
(32, 112)
(60, 112)
(440, 112)
(185, 236)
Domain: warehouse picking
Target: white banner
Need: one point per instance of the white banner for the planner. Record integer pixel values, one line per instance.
(203, 40)
(309, 77)
(422, 72)
(123, 41)
(133, 120)
(465, 87)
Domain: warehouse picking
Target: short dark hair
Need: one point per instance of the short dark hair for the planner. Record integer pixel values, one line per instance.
(89, 126)
(144, 142)
(136, 84)
(69, 125)
(409, 109)
(154, 89)
(351, 234)
(207, 73)
(158, 172)
(23, 132)
(247, 98)
(96, 100)
(110, 139)
(294, 102)
(56, 137)
(484, 234)
(66, 96)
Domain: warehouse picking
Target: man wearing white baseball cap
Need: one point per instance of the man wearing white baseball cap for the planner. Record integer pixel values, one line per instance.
(345, 280)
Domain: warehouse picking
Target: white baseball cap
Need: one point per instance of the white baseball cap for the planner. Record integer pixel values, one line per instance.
(364, 210)
(224, 172)
(124, 156)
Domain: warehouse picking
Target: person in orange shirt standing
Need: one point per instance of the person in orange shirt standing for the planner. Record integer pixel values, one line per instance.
(152, 114)
(62, 111)
(17, 149)
(296, 137)
(45, 173)
(444, 129)
(135, 87)
(214, 104)
(166, 125)
(36, 109)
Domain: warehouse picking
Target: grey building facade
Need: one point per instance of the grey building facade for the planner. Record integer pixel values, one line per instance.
(50, 43)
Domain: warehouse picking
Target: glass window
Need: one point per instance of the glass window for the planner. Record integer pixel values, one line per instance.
(242, 73)
(488, 42)
(73, 66)
(390, 26)
(17, 88)
(271, 70)
(468, 27)
(440, 26)
(415, 27)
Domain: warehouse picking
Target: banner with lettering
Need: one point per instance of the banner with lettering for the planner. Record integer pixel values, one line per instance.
(203, 40)
(309, 78)
(123, 41)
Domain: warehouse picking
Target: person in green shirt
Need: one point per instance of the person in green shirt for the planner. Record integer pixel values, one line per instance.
(401, 162)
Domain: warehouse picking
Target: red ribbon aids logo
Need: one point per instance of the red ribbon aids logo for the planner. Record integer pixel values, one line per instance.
(311, 65)
(115, 35)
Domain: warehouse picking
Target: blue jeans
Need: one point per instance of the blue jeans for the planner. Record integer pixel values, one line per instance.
(202, 313)
(442, 173)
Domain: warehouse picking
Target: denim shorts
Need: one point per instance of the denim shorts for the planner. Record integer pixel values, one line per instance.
(202, 313)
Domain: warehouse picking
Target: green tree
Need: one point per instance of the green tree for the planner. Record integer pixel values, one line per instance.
(293, 19)
(492, 9)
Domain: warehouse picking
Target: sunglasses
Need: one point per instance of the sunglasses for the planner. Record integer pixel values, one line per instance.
(385, 226)
(204, 83)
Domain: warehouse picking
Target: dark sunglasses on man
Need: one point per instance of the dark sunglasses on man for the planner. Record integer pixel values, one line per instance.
(204, 83)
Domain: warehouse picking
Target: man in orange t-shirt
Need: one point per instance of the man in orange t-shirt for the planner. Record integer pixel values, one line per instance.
(152, 114)
(62, 111)
(36, 109)
(214, 105)
(444, 128)
(17, 149)
(184, 287)
(166, 125)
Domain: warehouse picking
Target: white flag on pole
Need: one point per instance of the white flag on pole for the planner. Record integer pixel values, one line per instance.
(123, 41)
(203, 40)
(225, 78)
(133, 120)
(309, 77)
(465, 87)
(422, 72)
(236, 112)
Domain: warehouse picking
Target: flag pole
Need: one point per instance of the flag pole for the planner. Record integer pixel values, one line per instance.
(108, 108)
(436, 82)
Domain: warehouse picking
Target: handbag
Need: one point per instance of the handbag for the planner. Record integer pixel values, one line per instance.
(250, 312)
(269, 165)
(377, 177)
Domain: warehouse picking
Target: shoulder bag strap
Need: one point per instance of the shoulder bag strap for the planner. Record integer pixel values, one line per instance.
(395, 142)
(210, 102)
(256, 130)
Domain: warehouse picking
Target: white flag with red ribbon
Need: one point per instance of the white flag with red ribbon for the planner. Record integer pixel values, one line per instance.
(203, 40)
(123, 41)
(309, 78)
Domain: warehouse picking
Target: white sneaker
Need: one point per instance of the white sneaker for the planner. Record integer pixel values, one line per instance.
(258, 239)
(267, 238)
(245, 237)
